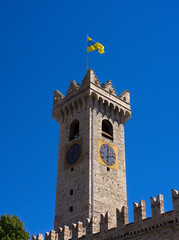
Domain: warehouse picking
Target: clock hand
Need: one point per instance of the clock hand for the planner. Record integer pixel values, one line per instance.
(107, 158)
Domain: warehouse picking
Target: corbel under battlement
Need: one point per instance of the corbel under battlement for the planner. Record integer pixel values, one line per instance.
(123, 229)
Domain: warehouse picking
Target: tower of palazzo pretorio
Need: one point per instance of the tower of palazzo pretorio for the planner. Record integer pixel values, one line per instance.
(91, 175)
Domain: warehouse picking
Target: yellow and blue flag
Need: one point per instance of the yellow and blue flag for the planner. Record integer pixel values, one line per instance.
(93, 45)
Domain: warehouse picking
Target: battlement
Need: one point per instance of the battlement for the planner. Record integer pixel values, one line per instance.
(91, 92)
(141, 226)
(91, 77)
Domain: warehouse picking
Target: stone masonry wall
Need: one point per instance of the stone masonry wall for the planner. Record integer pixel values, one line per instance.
(109, 186)
(76, 180)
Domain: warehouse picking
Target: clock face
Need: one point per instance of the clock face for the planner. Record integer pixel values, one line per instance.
(73, 154)
(107, 154)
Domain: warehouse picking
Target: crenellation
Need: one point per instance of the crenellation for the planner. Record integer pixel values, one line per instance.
(47, 236)
(77, 230)
(109, 87)
(125, 96)
(38, 237)
(91, 225)
(139, 211)
(175, 199)
(64, 233)
(73, 88)
(105, 223)
(106, 93)
(52, 235)
(122, 216)
(60, 233)
(57, 97)
(157, 205)
(167, 222)
(90, 77)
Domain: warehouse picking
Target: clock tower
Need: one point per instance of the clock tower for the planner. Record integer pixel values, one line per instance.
(91, 175)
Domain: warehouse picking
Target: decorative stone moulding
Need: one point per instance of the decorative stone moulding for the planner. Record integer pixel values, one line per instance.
(117, 112)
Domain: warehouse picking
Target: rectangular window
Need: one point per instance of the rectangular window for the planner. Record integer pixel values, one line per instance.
(71, 209)
(108, 169)
(72, 169)
(71, 192)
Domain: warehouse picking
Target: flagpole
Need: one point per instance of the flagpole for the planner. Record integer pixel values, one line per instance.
(87, 54)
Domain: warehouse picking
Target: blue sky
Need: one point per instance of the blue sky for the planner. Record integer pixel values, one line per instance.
(43, 48)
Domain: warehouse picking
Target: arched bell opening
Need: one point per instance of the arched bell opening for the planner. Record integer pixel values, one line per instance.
(74, 130)
(107, 129)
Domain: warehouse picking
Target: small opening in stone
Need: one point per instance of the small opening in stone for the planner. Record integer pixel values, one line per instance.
(74, 130)
(107, 129)
(108, 169)
(71, 208)
(72, 169)
(71, 192)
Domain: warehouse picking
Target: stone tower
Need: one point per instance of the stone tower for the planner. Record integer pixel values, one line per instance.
(91, 175)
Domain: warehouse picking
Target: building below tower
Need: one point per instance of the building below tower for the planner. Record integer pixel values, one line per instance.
(161, 226)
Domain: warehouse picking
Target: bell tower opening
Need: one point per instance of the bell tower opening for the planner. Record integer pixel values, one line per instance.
(74, 130)
(107, 129)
